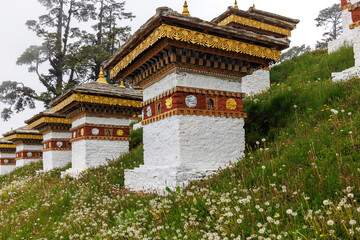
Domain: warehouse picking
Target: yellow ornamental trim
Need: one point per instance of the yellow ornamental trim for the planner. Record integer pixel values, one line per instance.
(255, 24)
(197, 38)
(96, 100)
(49, 120)
(7, 146)
(23, 136)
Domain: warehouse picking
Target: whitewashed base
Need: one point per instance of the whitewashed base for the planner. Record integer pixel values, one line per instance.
(94, 153)
(24, 162)
(5, 169)
(180, 149)
(256, 83)
(346, 75)
(56, 159)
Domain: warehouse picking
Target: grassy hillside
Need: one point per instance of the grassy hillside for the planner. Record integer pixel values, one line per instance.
(299, 180)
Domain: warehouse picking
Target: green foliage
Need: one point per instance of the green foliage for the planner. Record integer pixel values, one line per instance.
(300, 181)
(73, 53)
(330, 19)
(294, 52)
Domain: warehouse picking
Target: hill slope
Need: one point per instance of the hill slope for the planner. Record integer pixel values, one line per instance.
(300, 180)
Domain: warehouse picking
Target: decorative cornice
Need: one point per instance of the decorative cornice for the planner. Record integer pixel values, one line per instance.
(197, 38)
(255, 24)
(7, 146)
(23, 136)
(193, 90)
(184, 111)
(96, 100)
(49, 120)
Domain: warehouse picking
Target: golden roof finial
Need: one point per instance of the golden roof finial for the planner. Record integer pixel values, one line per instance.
(254, 5)
(12, 129)
(122, 84)
(236, 5)
(186, 9)
(101, 78)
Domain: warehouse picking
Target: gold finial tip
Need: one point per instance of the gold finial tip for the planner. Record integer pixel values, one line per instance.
(253, 5)
(236, 5)
(122, 84)
(186, 9)
(101, 78)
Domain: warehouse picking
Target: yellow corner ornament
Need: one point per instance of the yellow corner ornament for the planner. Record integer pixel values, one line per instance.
(231, 104)
(120, 133)
(169, 103)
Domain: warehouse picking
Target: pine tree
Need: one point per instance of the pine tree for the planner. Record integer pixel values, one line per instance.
(72, 55)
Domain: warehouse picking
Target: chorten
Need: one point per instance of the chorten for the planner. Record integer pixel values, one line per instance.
(56, 134)
(100, 114)
(28, 144)
(7, 157)
(191, 72)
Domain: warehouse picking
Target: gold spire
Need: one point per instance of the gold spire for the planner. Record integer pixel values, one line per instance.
(236, 5)
(122, 84)
(254, 5)
(101, 78)
(186, 9)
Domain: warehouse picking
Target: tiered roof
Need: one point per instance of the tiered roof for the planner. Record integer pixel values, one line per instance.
(168, 33)
(257, 21)
(22, 133)
(44, 119)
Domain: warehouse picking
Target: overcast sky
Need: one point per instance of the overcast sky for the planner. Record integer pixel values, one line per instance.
(15, 37)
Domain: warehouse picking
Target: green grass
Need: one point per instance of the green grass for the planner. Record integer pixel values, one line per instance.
(299, 178)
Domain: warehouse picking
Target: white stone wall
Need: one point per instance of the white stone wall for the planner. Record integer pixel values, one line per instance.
(192, 146)
(5, 169)
(353, 71)
(256, 83)
(29, 148)
(348, 34)
(181, 148)
(54, 135)
(101, 120)
(357, 46)
(94, 153)
(186, 79)
(7, 155)
(55, 159)
(23, 162)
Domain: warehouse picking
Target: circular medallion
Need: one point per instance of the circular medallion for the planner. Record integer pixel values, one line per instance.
(191, 101)
(59, 144)
(82, 132)
(231, 104)
(169, 103)
(148, 111)
(95, 131)
(120, 132)
(6, 161)
(29, 154)
(74, 135)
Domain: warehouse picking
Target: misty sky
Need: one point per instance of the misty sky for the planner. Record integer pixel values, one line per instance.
(15, 37)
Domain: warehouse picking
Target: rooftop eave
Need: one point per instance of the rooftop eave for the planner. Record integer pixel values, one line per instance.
(238, 12)
(168, 16)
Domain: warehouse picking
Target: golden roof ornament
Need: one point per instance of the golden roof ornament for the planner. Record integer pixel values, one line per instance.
(122, 84)
(101, 78)
(186, 9)
(254, 5)
(236, 5)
